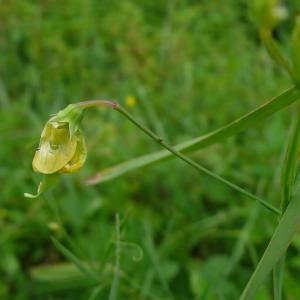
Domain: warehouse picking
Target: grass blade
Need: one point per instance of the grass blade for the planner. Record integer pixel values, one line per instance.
(194, 164)
(95, 293)
(260, 113)
(278, 278)
(288, 177)
(290, 166)
(281, 239)
(177, 153)
(274, 52)
(274, 255)
(113, 295)
(73, 258)
(153, 255)
(242, 242)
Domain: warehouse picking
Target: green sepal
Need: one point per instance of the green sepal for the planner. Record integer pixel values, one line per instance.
(72, 115)
(48, 181)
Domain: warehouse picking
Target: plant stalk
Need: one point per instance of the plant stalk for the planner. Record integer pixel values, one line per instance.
(181, 156)
(274, 52)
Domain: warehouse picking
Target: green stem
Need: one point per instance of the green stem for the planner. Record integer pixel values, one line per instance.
(289, 170)
(274, 52)
(250, 119)
(289, 173)
(179, 154)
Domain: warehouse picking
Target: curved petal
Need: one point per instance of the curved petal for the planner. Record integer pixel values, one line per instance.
(79, 157)
(56, 149)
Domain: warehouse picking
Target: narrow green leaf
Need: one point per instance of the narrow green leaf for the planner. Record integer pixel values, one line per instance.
(177, 153)
(275, 53)
(289, 171)
(73, 258)
(194, 164)
(58, 277)
(281, 239)
(113, 295)
(278, 278)
(260, 113)
(243, 240)
(154, 257)
(295, 49)
(55, 273)
(95, 293)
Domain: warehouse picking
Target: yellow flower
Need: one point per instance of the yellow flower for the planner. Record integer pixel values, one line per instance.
(78, 158)
(58, 151)
(130, 101)
(62, 147)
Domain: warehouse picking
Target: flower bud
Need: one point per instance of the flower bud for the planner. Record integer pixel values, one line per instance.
(268, 13)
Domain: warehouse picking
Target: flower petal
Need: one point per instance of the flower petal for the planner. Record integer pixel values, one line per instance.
(79, 157)
(56, 149)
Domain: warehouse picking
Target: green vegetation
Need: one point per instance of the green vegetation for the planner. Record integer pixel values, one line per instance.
(161, 231)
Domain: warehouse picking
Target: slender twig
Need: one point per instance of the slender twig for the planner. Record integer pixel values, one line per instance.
(90, 103)
(189, 161)
(275, 53)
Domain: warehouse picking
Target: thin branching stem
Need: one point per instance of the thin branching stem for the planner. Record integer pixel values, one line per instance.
(275, 53)
(186, 159)
(90, 103)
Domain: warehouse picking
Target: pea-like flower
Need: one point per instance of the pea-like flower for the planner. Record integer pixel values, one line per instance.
(62, 147)
(59, 151)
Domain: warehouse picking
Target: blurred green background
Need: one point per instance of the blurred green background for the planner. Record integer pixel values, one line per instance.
(191, 66)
